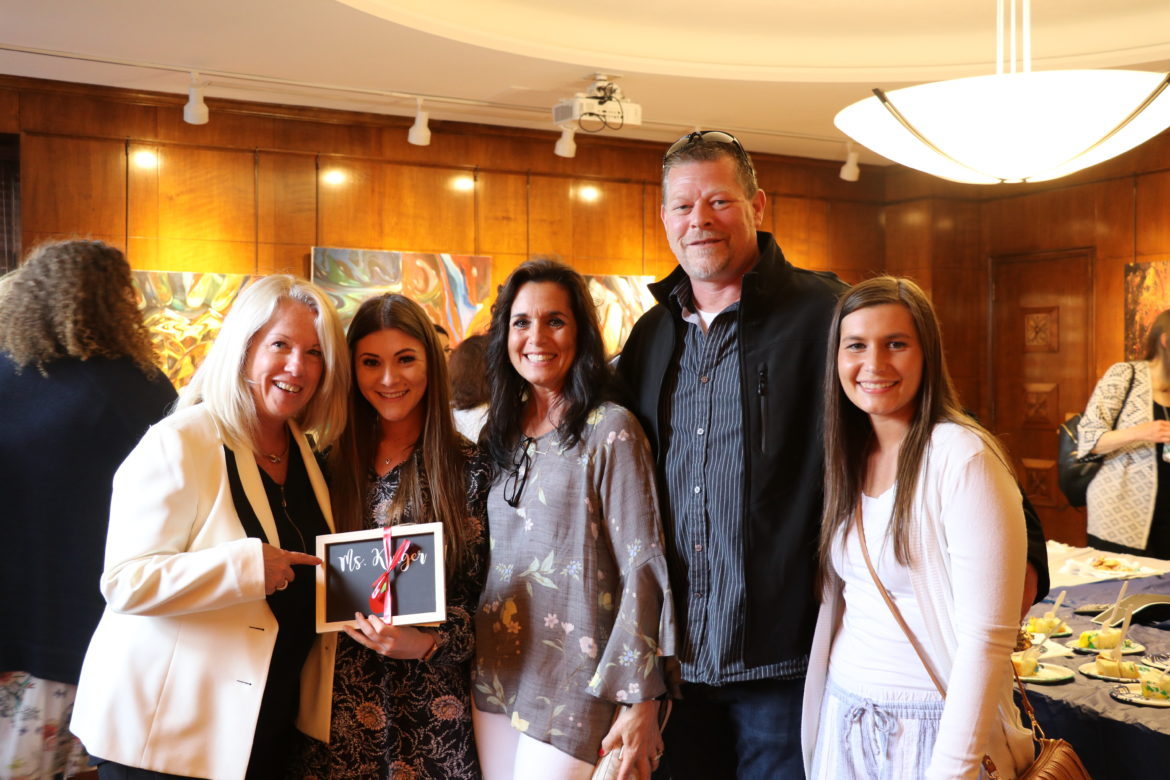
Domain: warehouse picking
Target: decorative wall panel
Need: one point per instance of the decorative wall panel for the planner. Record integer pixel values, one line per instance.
(184, 312)
(1147, 294)
(452, 289)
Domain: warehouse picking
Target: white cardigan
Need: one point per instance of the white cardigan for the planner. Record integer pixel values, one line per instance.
(175, 672)
(1121, 496)
(969, 548)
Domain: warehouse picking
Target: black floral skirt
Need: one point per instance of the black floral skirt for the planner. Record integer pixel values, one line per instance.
(403, 720)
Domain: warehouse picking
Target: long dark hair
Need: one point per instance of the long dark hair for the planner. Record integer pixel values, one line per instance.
(469, 383)
(586, 386)
(848, 430)
(438, 444)
(1160, 325)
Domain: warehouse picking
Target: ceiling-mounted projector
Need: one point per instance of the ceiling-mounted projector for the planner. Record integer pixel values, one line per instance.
(601, 107)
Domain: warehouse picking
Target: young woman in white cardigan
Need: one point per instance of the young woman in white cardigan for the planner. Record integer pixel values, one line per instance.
(942, 520)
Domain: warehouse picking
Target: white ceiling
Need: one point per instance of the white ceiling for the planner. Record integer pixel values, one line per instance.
(773, 71)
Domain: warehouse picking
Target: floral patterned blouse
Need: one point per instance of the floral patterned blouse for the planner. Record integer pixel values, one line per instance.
(409, 719)
(576, 611)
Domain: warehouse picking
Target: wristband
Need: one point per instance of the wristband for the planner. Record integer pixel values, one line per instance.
(431, 651)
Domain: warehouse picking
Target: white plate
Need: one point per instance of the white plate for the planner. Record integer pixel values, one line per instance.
(1090, 670)
(1132, 694)
(1157, 660)
(1053, 635)
(1049, 674)
(1084, 567)
(1129, 648)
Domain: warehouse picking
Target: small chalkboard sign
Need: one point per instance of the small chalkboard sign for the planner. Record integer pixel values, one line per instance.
(352, 562)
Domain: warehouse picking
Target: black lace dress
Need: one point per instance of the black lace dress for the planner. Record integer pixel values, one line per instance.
(410, 719)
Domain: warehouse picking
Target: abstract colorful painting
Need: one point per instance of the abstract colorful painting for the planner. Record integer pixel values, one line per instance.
(1147, 294)
(184, 312)
(454, 290)
(620, 301)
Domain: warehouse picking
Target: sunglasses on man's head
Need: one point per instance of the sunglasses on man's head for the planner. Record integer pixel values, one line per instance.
(718, 136)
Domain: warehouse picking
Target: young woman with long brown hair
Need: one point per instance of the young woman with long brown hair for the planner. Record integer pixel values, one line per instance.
(401, 701)
(933, 495)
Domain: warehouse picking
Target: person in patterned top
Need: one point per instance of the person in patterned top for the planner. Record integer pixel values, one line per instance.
(576, 614)
(401, 699)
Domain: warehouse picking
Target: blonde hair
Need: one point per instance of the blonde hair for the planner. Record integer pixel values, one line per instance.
(219, 381)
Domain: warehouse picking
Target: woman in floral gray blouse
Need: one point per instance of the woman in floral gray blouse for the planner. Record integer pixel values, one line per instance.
(575, 616)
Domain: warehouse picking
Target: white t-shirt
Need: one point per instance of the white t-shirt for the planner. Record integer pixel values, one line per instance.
(871, 652)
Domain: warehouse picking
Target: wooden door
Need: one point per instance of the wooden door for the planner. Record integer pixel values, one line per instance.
(1040, 357)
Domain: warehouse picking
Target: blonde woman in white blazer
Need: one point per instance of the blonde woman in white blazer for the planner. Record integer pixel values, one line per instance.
(207, 637)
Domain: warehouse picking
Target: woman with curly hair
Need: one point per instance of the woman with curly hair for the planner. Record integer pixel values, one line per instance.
(401, 695)
(576, 612)
(79, 387)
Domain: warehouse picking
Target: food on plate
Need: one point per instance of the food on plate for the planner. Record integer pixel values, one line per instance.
(1155, 685)
(1105, 639)
(1107, 667)
(1047, 625)
(1104, 563)
(1025, 664)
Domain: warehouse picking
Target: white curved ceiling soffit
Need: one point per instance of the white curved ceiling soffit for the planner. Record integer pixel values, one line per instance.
(773, 71)
(766, 40)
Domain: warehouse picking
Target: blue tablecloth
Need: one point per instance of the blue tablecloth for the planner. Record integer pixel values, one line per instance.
(1116, 741)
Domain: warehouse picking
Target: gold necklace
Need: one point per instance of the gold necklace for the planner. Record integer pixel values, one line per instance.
(400, 455)
(274, 459)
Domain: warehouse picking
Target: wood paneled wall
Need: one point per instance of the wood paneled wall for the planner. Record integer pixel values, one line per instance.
(247, 193)
(945, 234)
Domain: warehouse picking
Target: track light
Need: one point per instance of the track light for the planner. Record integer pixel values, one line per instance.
(850, 171)
(566, 146)
(420, 133)
(195, 112)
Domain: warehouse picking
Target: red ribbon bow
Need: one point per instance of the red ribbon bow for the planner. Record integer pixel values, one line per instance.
(381, 600)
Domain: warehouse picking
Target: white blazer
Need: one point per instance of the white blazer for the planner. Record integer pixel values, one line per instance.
(175, 672)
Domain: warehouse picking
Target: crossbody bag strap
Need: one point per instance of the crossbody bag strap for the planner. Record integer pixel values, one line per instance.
(988, 764)
(1124, 398)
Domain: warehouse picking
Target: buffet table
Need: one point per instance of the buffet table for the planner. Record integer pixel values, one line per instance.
(1115, 740)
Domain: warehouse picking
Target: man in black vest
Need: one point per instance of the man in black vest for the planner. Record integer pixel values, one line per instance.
(725, 375)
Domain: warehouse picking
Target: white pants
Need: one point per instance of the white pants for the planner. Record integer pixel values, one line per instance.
(890, 738)
(506, 754)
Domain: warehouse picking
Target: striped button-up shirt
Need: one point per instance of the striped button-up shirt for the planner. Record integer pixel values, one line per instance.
(704, 451)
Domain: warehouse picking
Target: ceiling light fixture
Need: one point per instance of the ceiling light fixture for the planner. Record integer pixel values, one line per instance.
(1016, 125)
(566, 146)
(420, 133)
(850, 170)
(195, 112)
